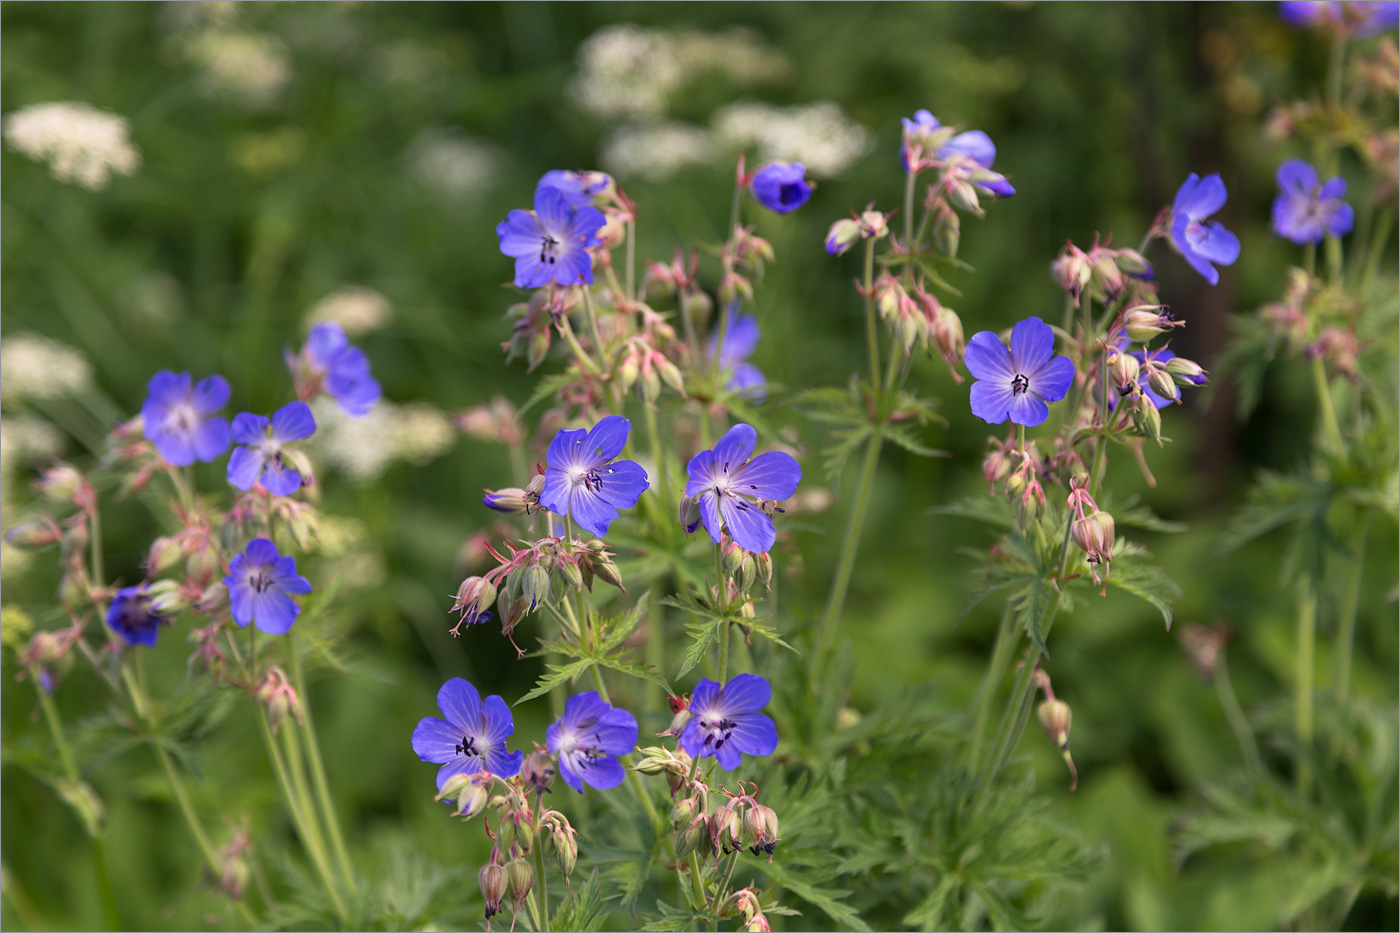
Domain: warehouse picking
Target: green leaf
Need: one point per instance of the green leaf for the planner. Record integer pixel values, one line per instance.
(989, 510)
(826, 899)
(903, 436)
(557, 674)
(584, 911)
(1147, 582)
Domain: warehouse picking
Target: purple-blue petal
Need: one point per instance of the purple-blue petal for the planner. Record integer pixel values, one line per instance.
(461, 704)
(249, 428)
(701, 473)
(754, 734)
(606, 440)
(210, 439)
(278, 478)
(622, 483)
(744, 693)
(734, 448)
(1028, 410)
(986, 357)
(1032, 343)
(436, 740)
(748, 525)
(1052, 380)
(274, 612)
(591, 511)
(566, 450)
(709, 515)
(973, 144)
(244, 465)
(772, 475)
(210, 394)
(1297, 176)
(293, 422)
(991, 400)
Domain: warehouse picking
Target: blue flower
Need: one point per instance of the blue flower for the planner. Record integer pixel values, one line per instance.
(1020, 383)
(578, 188)
(262, 460)
(979, 148)
(740, 340)
(1361, 19)
(1306, 211)
(340, 369)
(781, 187)
(725, 721)
(260, 585)
(586, 739)
(723, 479)
(551, 244)
(1200, 241)
(182, 420)
(472, 738)
(582, 481)
(134, 617)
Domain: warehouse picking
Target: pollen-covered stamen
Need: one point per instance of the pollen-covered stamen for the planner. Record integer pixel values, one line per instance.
(1020, 385)
(549, 249)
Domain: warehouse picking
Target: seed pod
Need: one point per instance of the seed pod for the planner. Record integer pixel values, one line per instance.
(520, 877)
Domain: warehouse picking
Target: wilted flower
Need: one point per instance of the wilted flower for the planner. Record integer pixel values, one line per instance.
(781, 187)
(722, 479)
(586, 739)
(472, 737)
(134, 617)
(1200, 241)
(182, 419)
(1020, 383)
(551, 243)
(1306, 210)
(582, 480)
(260, 586)
(262, 459)
(725, 721)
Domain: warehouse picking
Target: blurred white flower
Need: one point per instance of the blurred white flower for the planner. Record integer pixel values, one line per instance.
(819, 135)
(656, 152)
(153, 298)
(452, 166)
(37, 367)
(81, 143)
(357, 309)
(338, 535)
(23, 439)
(249, 68)
(363, 448)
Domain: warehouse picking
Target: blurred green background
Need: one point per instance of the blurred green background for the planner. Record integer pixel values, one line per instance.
(376, 145)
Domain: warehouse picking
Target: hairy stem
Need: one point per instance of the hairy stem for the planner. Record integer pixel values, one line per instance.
(541, 879)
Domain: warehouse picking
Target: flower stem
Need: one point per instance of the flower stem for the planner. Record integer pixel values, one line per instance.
(1380, 235)
(1303, 697)
(1346, 630)
(593, 323)
(1331, 431)
(1235, 714)
(658, 454)
(872, 341)
(541, 879)
(1001, 655)
(723, 886)
(318, 773)
(836, 600)
(631, 260)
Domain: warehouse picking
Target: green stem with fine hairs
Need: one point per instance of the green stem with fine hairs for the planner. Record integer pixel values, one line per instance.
(541, 879)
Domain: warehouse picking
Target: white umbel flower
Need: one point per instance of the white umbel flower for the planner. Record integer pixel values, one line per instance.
(357, 309)
(37, 367)
(656, 152)
(80, 143)
(818, 135)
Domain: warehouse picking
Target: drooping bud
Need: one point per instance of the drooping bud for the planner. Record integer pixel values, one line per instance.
(474, 599)
(63, 483)
(1131, 262)
(1123, 368)
(279, 696)
(689, 513)
(962, 194)
(534, 585)
(683, 812)
(694, 837)
(167, 599)
(1106, 525)
(1054, 716)
(564, 846)
(1087, 534)
(726, 830)
(1071, 270)
(739, 565)
(492, 879)
(520, 878)
(1147, 420)
(1106, 276)
(947, 229)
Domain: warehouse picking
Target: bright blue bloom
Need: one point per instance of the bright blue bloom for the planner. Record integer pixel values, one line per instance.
(781, 187)
(578, 188)
(472, 738)
(551, 244)
(1157, 356)
(182, 420)
(725, 721)
(260, 582)
(1020, 383)
(978, 146)
(1200, 241)
(582, 481)
(133, 616)
(262, 460)
(587, 737)
(722, 481)
(1362, 19)
(740, 340)
(1306, 211)
(343, 369)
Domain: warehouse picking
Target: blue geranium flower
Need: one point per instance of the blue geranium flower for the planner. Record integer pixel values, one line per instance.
(182, 419)
(725, 721)
(1362, 19)
(581, 479)
(578, 188)
(724, 480)
(1306, 211)
(978, 146)
(263, 460)
(1020, 383)
(340, 369)
(473, 736)
(782, 187)
(260, 585)
(551, 243)
(740, 340)
(1200, 241)
(586, 739)
(134, 617)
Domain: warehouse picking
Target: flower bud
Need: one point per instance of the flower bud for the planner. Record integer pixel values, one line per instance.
(996, 466)
(34, 534)
(739, 566)
(726, 830)
(167, 598)
(1071, 270)
(1147, 420)
(1107, 277)
(1106, 525)
(567, 576)
(1054, 716)
(1131, 262)
(683, 812)
(947, 229)
(510, 500)
(492, 879)
(1186, 372)
(1087, 534)
(1029, 504)
(534, 585)
(963, 195)
(763, 561)
(475, 596)
(520, 877)
(604, 569)
(564, 843)
(1161, 382)
(1143, 323)
(694, 838)
(73, 545)
(689, 513)
(842, 236)
(538, 770)
(453, 786)
(1123, 368)
(679, 721)
(214, 598)
(61, 483)
(505, 832)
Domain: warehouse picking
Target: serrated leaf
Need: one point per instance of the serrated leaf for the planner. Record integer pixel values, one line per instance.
(703, 633)
(826, 899)
(557, 674)
(990, 510)
(1146, 581)
(903, 436)
(584, 910)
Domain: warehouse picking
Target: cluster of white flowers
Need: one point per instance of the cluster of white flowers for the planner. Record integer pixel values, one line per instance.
(357, 309)
(38, 367)
(363, 448)
(656, 151)
(451, 166)
(81, 143)
(246, 67)
(818, 135)
(631, 71)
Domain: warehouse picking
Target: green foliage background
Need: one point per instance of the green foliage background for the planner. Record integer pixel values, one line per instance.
(1098, 112)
